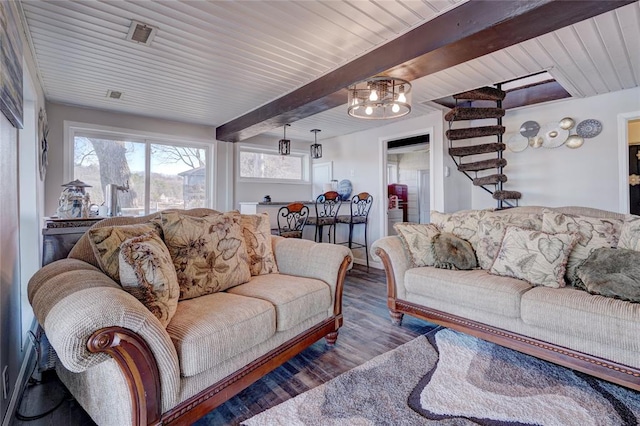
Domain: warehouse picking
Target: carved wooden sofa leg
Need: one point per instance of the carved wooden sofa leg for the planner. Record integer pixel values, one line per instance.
(396, 317)
(331, 338)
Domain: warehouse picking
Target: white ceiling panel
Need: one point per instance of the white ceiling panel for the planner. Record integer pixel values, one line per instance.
(213, 61)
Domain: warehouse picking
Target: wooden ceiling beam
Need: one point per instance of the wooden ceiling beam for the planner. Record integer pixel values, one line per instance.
(466, 32)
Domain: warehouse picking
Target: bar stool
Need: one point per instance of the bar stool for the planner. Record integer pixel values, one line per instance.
(327, 207)
(292, 219)
(360, 206)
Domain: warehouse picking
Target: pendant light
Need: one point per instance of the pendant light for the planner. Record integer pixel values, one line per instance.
(284, 145)
(316, 148)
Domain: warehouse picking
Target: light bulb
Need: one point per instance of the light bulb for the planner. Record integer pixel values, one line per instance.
(368, 110)
(395, 108)
(373, 96)
(402, 98)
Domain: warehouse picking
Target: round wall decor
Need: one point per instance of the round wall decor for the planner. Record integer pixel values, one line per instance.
(43, 131)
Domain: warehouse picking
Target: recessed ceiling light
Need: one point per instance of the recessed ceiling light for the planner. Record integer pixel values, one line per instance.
(113, 94)
(141, 33)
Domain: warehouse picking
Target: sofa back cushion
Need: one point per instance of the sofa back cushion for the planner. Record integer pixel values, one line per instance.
(592, 233)
(630, 233)
(209, 253)
(147, 272)
(256, 229)
(463, 224)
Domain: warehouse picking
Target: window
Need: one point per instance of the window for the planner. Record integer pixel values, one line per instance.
(258, 164)
(159, 174)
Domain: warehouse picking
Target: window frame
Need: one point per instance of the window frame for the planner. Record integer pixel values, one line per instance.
(304, 156)
(73, 129)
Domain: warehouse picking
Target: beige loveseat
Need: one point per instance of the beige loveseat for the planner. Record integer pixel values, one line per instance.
(125, 365)
(569, 326)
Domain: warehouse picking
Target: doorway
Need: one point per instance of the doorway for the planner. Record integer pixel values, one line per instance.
(628, 136)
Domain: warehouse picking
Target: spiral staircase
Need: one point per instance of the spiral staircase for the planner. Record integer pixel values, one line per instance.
(481, 162)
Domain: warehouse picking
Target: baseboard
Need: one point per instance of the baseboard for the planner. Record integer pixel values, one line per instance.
(23, 376)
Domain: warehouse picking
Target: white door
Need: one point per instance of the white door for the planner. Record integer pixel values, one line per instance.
(424, 204)
(322, 175)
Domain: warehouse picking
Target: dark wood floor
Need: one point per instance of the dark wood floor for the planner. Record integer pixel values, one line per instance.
(367, 332)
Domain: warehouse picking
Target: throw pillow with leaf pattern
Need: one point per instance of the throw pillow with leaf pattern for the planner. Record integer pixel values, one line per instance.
(147, 272)
(534, 256)
(463, 224)
(630, 233)
(591, 232)
(209, 252)
(256, 229)
(417, 240)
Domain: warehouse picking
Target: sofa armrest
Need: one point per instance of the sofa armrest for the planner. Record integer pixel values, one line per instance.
(322, 261)
(395, 259)
(74, 304)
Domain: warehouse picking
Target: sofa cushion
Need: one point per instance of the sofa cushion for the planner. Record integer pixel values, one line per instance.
(475, 289)
(630, 233)
(592, 233)
(451, 252)
(256, 230)
(295, 298)
(147, 272)
(210, 329)
(463, 224)
(105, 243)
(577, 313)
(417, 240)
(612, 273)
(491, 229)
(209, 252)
(537, 257)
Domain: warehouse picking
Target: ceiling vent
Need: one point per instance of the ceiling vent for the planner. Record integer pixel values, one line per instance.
(113, 94)
(141, 33)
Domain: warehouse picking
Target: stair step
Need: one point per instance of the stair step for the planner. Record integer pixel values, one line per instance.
(461, 113)
(490, 180)
(482, 94)
(474, 132)
(476, 166)
(484, 148)
(507, 195)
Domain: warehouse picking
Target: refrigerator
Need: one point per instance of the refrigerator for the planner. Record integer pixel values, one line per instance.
(402, 192)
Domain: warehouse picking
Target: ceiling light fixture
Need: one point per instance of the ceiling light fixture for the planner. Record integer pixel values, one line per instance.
(284, 145)
(379, 98)
(316, 148)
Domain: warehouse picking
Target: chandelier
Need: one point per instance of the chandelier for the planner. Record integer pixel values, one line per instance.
(379, 98)
(316, 148)
(284, 145)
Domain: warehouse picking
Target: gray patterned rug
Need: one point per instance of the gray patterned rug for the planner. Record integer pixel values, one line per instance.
(450, 378)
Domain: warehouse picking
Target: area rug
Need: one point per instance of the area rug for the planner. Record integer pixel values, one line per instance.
(450, 378)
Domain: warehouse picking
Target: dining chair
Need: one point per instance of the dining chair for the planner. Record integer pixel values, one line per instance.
(327, 207)
(291, 220)
(359, 215)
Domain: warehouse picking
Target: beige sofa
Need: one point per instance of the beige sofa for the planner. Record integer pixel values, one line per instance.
(124, 367)
(571, 327)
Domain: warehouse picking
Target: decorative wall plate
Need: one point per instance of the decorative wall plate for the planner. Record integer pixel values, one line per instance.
(574, 141)
(517, 143)
(589, 128)
(553, 135)
(529, 129)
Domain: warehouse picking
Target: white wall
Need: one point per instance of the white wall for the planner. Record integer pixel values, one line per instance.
(255, 191)
(587, 176)
(58, 113)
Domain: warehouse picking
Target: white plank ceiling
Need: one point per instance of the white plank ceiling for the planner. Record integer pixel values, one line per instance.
(212, 61)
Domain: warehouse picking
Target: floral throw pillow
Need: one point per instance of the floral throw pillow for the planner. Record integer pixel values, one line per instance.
(491, 229)
(534, 256)
(105, 243)
(147, 272)
(592, 233)
(209, 252)
(417, 240)
(463, 224)
(630, 233)
(256, 230)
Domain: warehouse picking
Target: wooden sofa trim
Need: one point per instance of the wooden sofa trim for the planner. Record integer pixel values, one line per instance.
(598, 367)
(135, 359)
